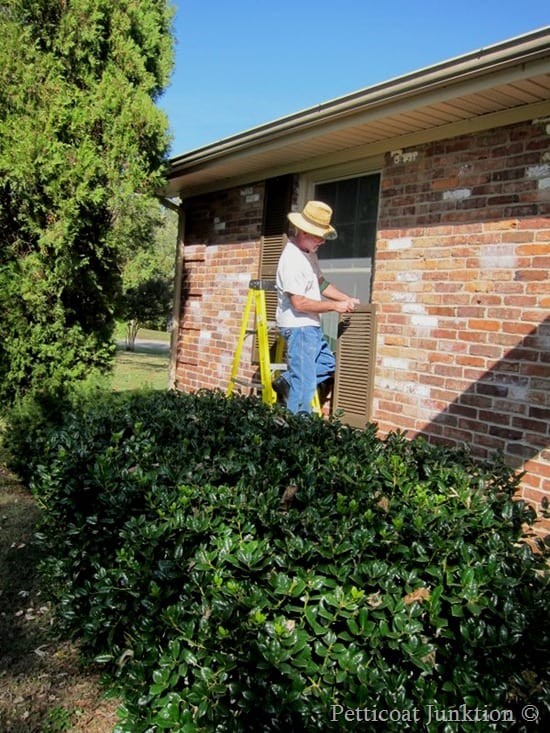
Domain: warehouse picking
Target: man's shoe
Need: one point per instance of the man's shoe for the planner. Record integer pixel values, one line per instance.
(325, 389)
(282, 388)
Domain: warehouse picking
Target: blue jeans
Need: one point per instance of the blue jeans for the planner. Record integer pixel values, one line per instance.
(310, 362)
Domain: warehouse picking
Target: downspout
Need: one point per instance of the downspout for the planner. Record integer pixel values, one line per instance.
(177, 306)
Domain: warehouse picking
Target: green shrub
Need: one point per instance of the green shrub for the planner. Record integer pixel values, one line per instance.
(238, 568)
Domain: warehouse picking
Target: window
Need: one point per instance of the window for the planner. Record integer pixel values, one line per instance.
(354, 202)
(348, 261)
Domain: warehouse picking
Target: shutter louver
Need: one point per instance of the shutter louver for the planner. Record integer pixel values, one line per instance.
(355, 364)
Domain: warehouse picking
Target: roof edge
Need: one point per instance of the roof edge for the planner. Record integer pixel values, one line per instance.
(519, 49)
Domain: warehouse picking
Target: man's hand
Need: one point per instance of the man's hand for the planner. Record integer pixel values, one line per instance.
(346, 306)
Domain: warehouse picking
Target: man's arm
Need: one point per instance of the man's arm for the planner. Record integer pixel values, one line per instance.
(307, 305)
(331, 291)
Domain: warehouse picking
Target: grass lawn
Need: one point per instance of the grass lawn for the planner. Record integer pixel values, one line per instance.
(146, 367)
(140, 370)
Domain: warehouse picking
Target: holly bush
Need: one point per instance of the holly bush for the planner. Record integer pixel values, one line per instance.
(237, 568)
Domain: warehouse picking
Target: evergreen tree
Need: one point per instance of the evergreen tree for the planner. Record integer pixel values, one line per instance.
(82, 148)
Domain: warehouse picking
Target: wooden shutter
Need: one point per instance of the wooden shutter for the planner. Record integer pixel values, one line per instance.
(277, 201)
(355, 364)
(271, 248)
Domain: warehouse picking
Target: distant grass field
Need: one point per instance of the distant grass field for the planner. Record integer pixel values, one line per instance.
(146, 367)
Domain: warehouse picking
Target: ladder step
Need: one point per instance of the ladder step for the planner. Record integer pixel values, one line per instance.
(275, 367)
(262, 284)
(271, 326)
(248, 383)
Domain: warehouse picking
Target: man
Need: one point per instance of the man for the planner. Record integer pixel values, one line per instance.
(302, 295)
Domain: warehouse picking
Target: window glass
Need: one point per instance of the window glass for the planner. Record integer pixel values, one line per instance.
(348, 261)
(354, 202)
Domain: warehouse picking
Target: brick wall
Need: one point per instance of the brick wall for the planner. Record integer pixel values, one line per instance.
(221, 255)
(225, 217)
(216, 285)
(463, 291)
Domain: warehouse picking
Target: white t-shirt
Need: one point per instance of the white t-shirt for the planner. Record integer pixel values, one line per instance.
(298, 273)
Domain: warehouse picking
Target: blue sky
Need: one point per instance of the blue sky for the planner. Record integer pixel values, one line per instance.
(242, 63)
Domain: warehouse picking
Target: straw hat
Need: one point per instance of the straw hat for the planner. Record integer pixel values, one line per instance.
(314, 219)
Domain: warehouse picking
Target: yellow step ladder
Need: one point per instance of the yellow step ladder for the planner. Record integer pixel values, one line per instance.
(268, 369)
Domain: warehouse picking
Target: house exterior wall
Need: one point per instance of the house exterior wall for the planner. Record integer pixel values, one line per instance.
(461, 285)
(463, 292)
(221, 255)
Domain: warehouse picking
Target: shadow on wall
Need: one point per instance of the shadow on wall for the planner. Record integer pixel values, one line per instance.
(506, 410)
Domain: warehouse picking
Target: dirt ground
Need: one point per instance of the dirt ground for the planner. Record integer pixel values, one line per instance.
(44, 687)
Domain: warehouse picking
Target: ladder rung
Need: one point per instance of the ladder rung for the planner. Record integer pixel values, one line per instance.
(262, 284)
(271, 326)
(248, 383)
